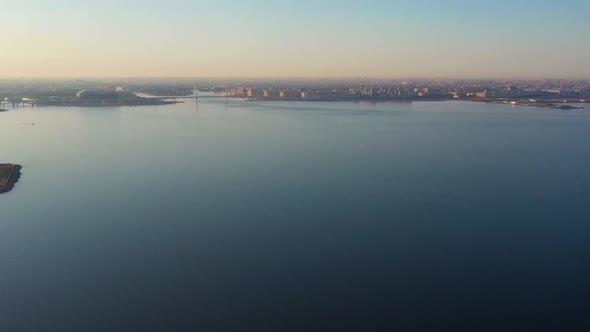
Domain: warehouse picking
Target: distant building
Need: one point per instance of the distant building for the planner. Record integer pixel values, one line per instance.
(120, 89)
(237, 91)
(486, 94)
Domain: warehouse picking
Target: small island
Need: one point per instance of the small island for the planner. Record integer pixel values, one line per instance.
(9, 176)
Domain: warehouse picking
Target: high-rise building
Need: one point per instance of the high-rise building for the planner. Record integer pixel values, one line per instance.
(486, 94)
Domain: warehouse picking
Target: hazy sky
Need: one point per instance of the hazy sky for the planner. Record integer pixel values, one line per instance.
(295, 38)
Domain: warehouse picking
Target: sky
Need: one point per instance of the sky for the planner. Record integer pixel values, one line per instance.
(288, 39)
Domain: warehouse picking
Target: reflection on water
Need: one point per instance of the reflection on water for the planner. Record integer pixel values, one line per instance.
(274, 216)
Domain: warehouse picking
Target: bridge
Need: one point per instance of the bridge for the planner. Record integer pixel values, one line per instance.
(183, 97)
(193, 96)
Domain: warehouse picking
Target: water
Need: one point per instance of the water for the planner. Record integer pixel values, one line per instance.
(296, 216)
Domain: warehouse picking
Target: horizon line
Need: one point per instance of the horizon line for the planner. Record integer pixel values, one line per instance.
(408, 78)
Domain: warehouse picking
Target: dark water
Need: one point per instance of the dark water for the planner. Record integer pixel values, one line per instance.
(296, 216)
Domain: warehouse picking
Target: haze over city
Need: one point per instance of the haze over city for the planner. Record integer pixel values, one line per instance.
(328, 39)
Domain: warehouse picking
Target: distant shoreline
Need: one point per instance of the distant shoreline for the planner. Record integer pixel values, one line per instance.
(548, 103)
(552, 103)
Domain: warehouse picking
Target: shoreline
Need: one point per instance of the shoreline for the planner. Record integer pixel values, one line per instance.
(547, 103)
(9, 181)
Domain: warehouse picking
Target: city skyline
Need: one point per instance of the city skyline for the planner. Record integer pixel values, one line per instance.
(295, 39)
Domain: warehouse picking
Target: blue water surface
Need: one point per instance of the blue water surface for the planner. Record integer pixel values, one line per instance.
(433, 216)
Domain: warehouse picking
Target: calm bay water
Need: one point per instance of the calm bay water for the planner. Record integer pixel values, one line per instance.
(296, 216)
